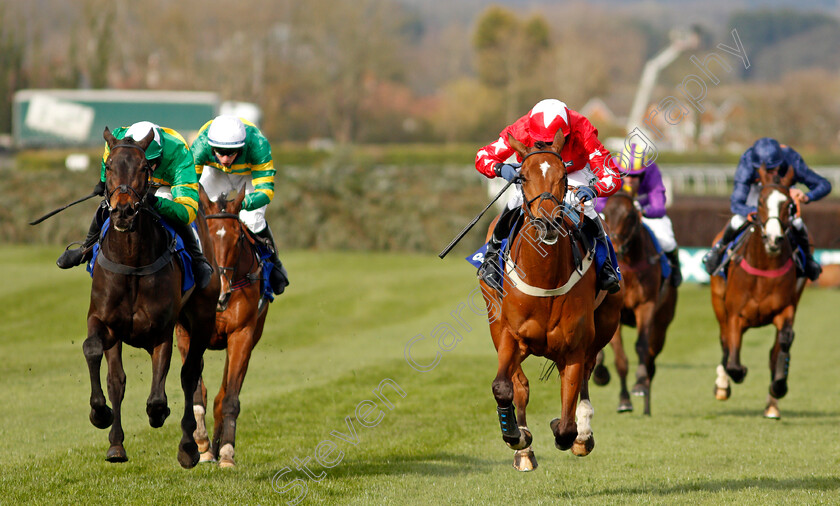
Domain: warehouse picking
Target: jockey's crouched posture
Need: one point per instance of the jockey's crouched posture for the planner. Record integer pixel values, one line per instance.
(773, 156)
(584, 157)
(644, 181)
(230, 153)
(176, 199)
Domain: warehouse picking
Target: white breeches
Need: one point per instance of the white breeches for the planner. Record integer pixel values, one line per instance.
(664, 232)
(217, 182)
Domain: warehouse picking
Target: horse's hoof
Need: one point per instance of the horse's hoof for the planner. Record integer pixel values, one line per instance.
(157, 414)
(226, 456)
(639, 390)
(600, 375)
(101, 417)
(722, 394)
(779, 388)
(625, 406)
(583, 448)
(772, 412)
(737, 374)
(524, 460)
(188, 455)
(561, 441)
(524, 441)
(116, 453)
(206, 457)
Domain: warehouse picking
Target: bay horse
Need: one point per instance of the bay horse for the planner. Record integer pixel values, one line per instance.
(548, 308)
(241, 310)
(649, 299)
(136, 298)
(761, 287)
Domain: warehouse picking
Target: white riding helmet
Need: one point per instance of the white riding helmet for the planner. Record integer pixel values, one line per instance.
(226, 132)
(139, 131)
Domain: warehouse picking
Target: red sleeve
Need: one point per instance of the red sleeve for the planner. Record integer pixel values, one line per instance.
(609, 181)
(498, 152)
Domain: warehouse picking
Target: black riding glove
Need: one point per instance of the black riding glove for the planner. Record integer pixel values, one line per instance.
(99, 189)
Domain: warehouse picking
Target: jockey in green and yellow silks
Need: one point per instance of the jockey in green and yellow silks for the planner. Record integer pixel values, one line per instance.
(231, 153)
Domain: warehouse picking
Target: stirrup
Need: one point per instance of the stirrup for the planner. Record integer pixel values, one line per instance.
(71, 257)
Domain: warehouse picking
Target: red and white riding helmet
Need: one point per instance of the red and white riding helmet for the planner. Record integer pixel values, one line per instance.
(546, 118)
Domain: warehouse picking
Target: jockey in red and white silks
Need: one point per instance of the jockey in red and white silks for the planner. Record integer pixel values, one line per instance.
(584, 157)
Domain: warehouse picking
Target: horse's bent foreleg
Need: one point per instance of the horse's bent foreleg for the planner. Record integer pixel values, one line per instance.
(116, 391)
(565, 428)
(600, 375)
(101, 415)
(156, 405)
(509, 360)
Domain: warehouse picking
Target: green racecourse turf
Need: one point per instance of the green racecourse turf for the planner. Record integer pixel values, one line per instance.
(339, 331)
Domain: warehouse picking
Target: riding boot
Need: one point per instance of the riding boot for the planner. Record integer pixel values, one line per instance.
(714, 255)
(490, 271)
(676, 273)
(278, 278)
(73, 257)
(811, 267)
(202, 270)
(608, 277)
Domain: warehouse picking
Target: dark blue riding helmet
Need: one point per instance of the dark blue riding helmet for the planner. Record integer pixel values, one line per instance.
(767, 152)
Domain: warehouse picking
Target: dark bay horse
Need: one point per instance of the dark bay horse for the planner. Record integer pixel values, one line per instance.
(240, 317)
(548, 309)
(136, 298)
(649, 301)
(761, 287)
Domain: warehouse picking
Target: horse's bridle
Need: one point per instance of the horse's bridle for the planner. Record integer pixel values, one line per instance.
(124, 188)
(763, 224)
(543, 196)
(230, 272)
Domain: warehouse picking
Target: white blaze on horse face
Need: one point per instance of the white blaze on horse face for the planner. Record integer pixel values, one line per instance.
(221, 233)
(774, 204)
(544, 167)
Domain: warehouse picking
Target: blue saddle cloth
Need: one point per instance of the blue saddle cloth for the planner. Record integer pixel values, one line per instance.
(663, 260)
(183, 257)
(601, 252)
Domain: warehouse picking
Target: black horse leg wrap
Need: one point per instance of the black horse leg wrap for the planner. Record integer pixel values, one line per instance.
(507, 419)
(786, 339)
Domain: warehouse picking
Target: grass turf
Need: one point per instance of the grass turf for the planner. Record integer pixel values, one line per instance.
(339, 332)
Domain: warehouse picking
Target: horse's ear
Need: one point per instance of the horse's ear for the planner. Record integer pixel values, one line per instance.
(787, 179)
(240, 197)
(145, 141)
(203, 198)
(517, 146)
(763, 176)
(109, 137)
(559, 141)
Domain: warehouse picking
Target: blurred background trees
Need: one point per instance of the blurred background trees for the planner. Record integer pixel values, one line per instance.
(377, 71)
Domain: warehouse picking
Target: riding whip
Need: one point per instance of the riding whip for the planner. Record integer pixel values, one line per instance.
(473, 222)
(51, 213)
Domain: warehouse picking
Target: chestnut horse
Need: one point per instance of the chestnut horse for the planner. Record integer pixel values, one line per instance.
(240, 317)
(136, 298)
(547, 308)
(649, 300)
(761, 287)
